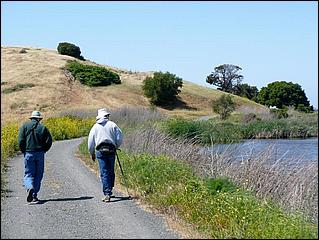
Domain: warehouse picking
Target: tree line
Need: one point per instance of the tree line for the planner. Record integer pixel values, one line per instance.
(163, 88)
(279, 94)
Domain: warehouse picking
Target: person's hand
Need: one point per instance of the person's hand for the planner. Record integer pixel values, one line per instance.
(93, 157)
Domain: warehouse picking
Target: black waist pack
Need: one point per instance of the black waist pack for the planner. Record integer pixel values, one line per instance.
(106, 148)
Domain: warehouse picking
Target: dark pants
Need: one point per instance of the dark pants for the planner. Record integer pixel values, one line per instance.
(33, 171)
(106, 165)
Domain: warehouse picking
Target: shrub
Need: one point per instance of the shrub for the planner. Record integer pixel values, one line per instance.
(303, 108)
(250, 117)
(162, 88)
(224, 106)
(279, 113)
(219, 184)
(70, 49)
(92, 75)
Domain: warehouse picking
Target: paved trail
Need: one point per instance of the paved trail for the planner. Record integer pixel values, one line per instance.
(71, 204)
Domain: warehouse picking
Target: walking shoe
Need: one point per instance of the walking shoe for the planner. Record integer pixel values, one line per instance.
(35, 200)
(30, 193)
(107, 198)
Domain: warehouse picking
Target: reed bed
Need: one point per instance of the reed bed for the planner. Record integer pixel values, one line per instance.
(295, 190)
(230, 132)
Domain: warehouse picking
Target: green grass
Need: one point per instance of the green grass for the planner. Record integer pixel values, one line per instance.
(216, 207)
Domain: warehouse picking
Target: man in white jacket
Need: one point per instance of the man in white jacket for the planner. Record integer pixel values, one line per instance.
(104, 138)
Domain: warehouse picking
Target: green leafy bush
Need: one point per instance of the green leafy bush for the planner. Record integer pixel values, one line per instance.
(303, 108)
(92, 75)
(70, 49)
(162, 88)
(224, 106)
(279, 113)
(218, 185)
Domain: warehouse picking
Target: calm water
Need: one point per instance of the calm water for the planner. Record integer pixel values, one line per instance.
(296, 151)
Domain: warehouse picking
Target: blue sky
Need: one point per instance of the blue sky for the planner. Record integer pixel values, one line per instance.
(270, 41)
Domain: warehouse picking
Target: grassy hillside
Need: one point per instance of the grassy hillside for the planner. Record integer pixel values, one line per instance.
(33, 78)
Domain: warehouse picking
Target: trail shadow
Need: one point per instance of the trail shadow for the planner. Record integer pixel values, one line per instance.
(117, 199)
(41, 201)
(113, 199)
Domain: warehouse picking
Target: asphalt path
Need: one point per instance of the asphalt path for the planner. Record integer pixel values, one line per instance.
(71, 205)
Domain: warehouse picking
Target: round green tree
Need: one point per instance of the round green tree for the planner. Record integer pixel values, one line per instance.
(69, 49)
(281, 93)
(162, 88)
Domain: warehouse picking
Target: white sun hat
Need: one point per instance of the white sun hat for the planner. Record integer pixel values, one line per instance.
(101, 113)
(36, 114)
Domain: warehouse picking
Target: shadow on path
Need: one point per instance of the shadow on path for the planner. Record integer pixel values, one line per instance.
(116, 199)
(41, 201)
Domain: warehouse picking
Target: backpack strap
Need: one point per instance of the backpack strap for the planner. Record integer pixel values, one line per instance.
(32, 129)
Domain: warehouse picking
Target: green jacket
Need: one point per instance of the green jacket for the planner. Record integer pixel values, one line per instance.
(34, 136)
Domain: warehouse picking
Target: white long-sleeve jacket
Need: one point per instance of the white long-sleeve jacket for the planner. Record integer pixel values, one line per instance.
(104, 130)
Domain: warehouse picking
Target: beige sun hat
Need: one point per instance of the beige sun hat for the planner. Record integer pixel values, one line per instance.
(36, 114)
(102, 113)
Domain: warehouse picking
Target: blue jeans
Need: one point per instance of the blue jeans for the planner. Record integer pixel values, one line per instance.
(33, 171)
(106, 165)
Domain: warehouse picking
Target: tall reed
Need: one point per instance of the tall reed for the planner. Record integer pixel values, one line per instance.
(229, 132)
(296, 190)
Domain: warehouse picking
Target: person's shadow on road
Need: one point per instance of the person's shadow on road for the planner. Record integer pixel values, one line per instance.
(41, 201)
(116, 199)
(113, 199)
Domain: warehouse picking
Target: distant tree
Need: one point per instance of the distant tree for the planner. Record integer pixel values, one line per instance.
(281, 93)
(224, 106)
(225, 77)
(245, 90)
(162, 88)
(70, 49)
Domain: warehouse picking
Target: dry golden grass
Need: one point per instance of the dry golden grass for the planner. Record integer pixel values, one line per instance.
(55, 91)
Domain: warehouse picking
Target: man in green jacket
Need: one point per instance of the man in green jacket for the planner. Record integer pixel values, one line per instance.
(34, 141)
